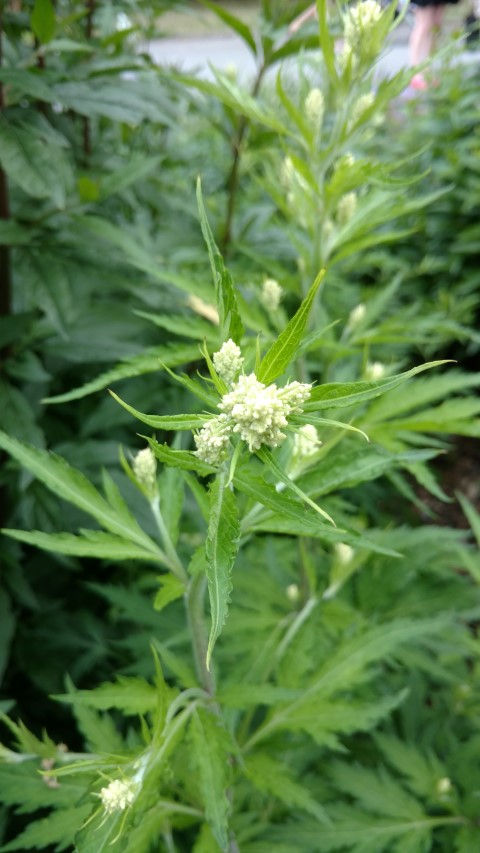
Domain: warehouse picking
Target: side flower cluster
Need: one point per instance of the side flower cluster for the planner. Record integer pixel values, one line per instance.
(118, 795)
(256, 412)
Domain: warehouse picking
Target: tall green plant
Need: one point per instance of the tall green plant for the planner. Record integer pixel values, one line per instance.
(320, 699)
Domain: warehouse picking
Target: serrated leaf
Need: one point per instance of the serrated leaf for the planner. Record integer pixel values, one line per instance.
(93, 543)
(164, 422)
(27, 159)
(71, 485)
(150, 361)
(221, 551)
(283, 351)
(211, 760)
(130, 695)
(184, 459)
(171, 588)
(42, 20)
(336, 394)
(22, 786)
(273, 777)
(56, 830)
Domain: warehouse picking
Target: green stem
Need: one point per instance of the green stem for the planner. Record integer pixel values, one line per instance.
(170, 550)
(233, 178)
(194, 603)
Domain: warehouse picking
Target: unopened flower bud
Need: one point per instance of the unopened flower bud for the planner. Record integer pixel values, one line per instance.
(374, 370)
(271, 294)
(228, 361)
(145, 470)
(293, 592)
(361, 106)
(346, 208)
(344, 553)
(356, 316)
(444, 786)
(306, 442)
(314, 108)
(212, 440)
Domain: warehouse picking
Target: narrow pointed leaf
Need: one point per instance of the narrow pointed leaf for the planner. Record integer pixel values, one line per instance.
(221, 551)
(283, 351)
(166, 422)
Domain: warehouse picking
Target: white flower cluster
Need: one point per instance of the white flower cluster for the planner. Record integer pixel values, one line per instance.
(212, 440)
(306, 442)
(360, 19)
(259, 412)
(271, 294)
(256, 412)
(346, 208)
(118, 795)
(314, 108)
(359, 24)
(145, 469)
(361, 106)
(344, 553)
(228, 361)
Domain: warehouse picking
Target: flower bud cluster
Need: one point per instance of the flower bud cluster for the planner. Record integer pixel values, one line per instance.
(212, 440)
(145, 469)
(346, 208)
(361, 106)
(359, 25)
(271, 294)
(306, 442)
(118, 795)
(251, 409)
(228, 361)
(259, 412)
(314, 108)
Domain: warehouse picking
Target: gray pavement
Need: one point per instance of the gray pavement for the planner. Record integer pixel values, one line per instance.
(200, 54)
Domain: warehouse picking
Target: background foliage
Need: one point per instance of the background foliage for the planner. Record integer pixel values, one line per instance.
(346, 699)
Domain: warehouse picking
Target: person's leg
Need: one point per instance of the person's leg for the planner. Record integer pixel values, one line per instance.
(421, 37)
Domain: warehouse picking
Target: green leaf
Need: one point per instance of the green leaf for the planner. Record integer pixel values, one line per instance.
(71, 485)
(150, 361)
(130, 695)
(92, 543)
(7, 629)
(184, 459)
(234, 23)
(283, 351)
(165, 422)
(336, 394)
(221, 551)
(472, 515)
(211, 760)
(273, 777)
(22, 786)
(269, 460)
(58, 829)
(36, 166)
(171, 588)
(42, 20)
(184, 325)
(231, 325)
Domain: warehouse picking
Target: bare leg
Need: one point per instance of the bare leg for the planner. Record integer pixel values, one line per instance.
(421, 38)
(303, 18)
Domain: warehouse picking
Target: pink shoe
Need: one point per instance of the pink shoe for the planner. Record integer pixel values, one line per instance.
(419, 82)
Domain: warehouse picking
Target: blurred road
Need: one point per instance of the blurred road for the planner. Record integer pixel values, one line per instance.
(197, 54)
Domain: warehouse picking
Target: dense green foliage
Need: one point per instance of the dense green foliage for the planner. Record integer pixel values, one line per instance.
(271, 646)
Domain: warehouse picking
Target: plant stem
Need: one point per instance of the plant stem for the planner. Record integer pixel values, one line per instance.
(194, 601)
(170, 550)
(232, 180)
